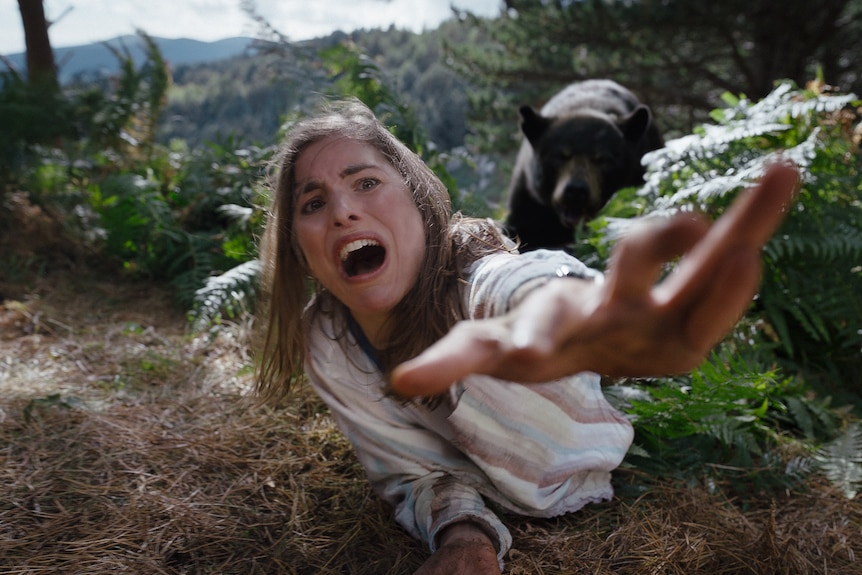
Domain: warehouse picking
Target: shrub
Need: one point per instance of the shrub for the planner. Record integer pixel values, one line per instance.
(803, 334)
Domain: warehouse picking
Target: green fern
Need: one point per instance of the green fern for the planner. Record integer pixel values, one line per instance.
(226, 295)
(735, 416)
(189, 260)
(841, 461)
(729, 420)
(811, 297)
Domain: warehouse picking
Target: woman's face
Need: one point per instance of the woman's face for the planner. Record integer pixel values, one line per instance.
(358, 228)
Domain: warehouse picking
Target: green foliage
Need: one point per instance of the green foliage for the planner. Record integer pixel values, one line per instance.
(116, 118)
(29, 116)
(167, 213)
(727, 420)
(229, 295)
(841, 460)
(810, 303)
(737, 411)
(200, 221)
(130, 111)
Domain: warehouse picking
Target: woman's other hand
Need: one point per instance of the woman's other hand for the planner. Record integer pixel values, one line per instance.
(464, 549)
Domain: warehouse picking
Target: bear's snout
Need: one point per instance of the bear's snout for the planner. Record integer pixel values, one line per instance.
(578, 194)
(577, 203)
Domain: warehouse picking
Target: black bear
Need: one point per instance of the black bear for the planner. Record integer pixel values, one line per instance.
(585, 145)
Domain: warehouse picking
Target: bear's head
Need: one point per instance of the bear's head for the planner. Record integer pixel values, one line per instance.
(581, 160)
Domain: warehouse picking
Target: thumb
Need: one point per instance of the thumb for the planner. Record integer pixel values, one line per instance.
(469, 347)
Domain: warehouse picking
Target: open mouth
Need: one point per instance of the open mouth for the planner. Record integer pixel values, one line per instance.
(361, 257)
(572, 217)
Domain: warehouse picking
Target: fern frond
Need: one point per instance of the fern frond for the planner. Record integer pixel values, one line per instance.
(701, 188)
(820, 302)
(236, 213)
(187, 258)
(843, 240)
(785, 103)
(841, 461)
(227, 294)
(712, 140)
(801, 414)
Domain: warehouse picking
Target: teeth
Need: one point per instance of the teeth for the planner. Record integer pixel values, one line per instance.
(355, 245)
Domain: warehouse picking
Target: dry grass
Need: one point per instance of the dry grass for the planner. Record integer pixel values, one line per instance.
(127, 445)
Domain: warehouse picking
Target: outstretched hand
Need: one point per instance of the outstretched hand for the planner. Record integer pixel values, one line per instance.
(629, 325)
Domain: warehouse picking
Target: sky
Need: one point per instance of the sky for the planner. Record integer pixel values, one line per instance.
(85, 21)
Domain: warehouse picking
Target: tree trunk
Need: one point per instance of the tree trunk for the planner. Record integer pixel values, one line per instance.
(41, 69)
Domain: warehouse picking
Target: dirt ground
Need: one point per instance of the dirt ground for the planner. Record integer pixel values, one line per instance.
(128, 444)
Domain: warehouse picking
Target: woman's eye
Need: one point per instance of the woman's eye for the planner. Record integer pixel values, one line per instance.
(367, 183)
(312, 206)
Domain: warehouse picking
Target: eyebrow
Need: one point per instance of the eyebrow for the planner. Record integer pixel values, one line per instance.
(312, 185)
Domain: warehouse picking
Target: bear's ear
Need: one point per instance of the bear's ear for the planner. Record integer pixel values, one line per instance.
(533, 124)
(635, 125)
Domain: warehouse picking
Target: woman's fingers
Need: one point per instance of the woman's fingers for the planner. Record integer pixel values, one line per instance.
(758, 213)
(747, 224)
(641, 256)
(554, 314)
(731, 287)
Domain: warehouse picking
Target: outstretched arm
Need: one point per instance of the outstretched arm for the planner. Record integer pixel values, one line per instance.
(628, 325)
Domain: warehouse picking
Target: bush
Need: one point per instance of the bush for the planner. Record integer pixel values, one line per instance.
(755, 396)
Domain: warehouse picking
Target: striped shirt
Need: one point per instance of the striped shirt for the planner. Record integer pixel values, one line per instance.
(539, 450)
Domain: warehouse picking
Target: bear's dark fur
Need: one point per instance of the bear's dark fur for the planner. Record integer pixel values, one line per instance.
(585, 145)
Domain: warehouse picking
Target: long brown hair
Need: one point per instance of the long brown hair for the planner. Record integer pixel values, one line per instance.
(428, 310)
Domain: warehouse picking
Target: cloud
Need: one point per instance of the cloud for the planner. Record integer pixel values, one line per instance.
(98, 20)
(300, 22)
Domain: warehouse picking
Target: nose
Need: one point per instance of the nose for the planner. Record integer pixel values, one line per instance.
(577, 193)
(344, 210)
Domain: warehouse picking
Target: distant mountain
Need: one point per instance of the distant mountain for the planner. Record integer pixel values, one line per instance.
(91, 60)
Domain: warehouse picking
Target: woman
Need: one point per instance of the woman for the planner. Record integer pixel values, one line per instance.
(367, 281)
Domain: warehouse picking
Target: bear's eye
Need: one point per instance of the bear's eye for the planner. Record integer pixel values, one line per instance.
(603, 159)
(560, 155)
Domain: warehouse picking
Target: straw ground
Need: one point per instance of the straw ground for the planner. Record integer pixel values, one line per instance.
(128, 445)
